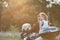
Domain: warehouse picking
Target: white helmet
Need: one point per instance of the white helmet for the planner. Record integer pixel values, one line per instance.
(26, 26)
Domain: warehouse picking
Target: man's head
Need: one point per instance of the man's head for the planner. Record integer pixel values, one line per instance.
(26, 26)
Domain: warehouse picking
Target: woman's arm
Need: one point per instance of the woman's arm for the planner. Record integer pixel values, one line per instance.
(40, 25)
(50, 24)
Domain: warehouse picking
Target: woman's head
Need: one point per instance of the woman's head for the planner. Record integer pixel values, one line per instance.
(42, 16)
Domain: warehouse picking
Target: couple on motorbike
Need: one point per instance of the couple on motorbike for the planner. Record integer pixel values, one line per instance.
(42, 26)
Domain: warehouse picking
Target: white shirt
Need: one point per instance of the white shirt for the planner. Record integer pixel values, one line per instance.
(44, 26)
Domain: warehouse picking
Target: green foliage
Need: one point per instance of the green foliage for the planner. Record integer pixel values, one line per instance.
(13, 29)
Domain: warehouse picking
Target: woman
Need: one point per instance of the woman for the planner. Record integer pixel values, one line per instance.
(43, 22)
(44, 25)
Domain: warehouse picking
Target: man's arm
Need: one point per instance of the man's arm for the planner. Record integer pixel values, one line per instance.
(35, 28)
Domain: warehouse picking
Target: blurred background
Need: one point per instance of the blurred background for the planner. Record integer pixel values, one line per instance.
(14, 13)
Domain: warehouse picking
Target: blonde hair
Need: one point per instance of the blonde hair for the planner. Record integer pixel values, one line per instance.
(44, 15)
